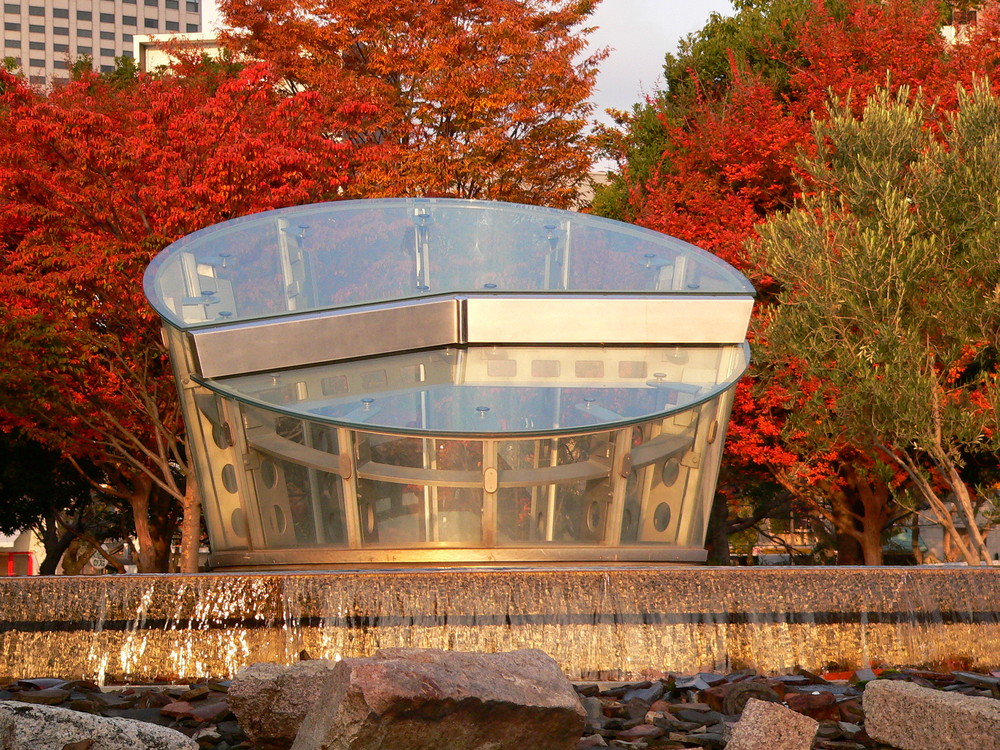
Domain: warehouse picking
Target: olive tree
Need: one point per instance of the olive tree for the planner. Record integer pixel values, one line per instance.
(890, 278)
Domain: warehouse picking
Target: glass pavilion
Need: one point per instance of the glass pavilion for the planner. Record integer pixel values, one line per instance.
(436, 381)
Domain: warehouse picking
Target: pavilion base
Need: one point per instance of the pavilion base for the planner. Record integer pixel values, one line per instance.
(598, 623)
(320, 558)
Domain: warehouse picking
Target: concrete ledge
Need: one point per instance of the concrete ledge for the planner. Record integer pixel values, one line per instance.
(911, 717)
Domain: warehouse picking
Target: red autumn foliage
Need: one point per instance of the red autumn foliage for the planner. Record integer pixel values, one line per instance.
(728, 162)
(95, 178)
(481, 100)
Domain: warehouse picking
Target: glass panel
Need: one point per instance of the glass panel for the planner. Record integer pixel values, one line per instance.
(355, 252)
(299, 497)
(456, 390)
(403, 515)
(398, 507)
(299, 506)
(663, 496)
(554, 514)
(569, 497)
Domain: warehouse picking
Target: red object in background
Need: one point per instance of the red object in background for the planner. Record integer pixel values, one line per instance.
(27, 567)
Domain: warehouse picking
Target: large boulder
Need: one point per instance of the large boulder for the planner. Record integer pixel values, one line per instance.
(271, 700)
(764, 724)
(426, 699)
(38, 727)
(911, 717)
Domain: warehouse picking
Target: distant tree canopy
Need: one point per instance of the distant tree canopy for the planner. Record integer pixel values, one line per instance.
(486, 100)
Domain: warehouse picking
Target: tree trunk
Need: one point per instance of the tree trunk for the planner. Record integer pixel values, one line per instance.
(77, 555)
(862, 510)
(191, 526)
(849, 552)
(717, 538)
(55, 545)
(154, 544)
(847, 542)
(918, 554)
(871, 546)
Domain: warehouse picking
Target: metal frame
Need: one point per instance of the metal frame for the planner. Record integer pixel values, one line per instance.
(457, 320)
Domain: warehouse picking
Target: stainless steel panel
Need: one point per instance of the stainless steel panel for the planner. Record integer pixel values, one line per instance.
(607, 319)
(331, 558)
(321, 337)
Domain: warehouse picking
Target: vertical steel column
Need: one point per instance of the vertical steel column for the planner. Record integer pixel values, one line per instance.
(489, 516)
(314, 494)
(246, 491)
(621, 467)
(348, 459)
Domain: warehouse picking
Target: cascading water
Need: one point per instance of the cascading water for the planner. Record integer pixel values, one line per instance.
(597, 623)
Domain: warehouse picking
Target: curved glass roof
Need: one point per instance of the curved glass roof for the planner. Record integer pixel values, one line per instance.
(497, 390)
(347, 253)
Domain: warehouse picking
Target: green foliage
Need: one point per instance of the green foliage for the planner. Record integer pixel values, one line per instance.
(751, 39)
(125, 73)
(81, 67)
(892, 285)
(640, 151)
(35, 482)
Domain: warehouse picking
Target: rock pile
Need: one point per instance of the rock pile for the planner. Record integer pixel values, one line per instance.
(738, 711)
(705, 709)
(193, 716)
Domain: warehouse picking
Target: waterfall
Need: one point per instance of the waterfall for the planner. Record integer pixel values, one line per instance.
(598, 623)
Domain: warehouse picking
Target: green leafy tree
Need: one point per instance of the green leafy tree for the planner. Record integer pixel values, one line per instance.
(714, 154)
(43, 492)
(891, 294)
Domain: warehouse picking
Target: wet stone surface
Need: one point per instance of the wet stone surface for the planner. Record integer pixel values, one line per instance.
(673, 711)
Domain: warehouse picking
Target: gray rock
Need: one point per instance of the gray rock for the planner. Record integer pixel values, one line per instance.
(6, 731)
(271, 700)
(695, 682)
(427, 699)
(594, 709)
(911, 717)
(47, 696)
(648, 694)
(50, 728)
(772, 726)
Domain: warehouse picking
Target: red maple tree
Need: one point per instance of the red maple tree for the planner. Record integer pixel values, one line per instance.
(485, 100)
(95, 178)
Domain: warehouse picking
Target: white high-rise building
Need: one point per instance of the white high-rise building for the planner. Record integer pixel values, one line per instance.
(45, 37)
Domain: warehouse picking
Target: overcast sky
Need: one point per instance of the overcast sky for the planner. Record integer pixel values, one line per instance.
(639, 33)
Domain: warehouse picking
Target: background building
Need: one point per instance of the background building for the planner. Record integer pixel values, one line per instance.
(154, 51)
(45, 37)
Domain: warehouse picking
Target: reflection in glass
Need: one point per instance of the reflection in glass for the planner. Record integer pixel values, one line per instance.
(300, 506)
